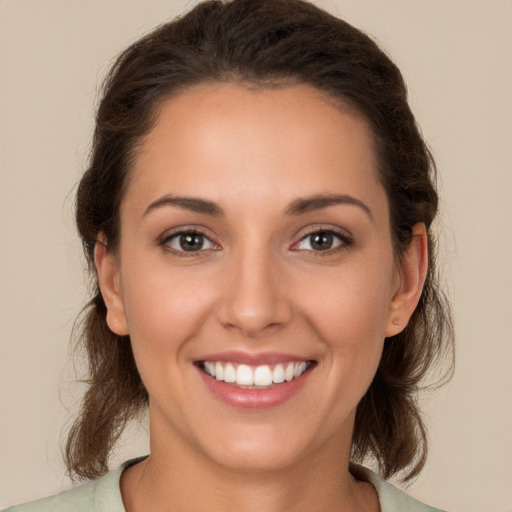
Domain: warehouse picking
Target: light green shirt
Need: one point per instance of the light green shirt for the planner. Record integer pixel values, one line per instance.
(104, 495)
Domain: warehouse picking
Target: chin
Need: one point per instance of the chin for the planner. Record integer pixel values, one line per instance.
(260, 449)
(256, 458)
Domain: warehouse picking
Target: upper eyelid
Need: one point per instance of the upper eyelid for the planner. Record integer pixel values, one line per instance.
(183, 230)
(343, 233)
(343, 237)
(166, 238)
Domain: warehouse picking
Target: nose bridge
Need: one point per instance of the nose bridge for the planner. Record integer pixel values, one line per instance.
(255, 298)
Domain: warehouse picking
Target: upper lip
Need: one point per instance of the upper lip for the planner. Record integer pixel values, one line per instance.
(251, 359)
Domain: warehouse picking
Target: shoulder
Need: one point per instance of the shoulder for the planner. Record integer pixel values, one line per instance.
(391, 498)
(80, 498)
(102, 495)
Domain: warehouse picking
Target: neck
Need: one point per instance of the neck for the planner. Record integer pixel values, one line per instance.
(178, 479)
(180, 476)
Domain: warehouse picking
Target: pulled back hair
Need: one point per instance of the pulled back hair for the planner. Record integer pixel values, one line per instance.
(267, 43)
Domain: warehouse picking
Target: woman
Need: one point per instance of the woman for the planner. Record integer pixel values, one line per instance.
(257, 216)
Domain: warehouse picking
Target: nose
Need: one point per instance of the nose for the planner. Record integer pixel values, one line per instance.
(255, 299)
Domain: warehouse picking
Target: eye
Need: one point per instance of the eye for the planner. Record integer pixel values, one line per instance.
(323, 240)
(188, 241)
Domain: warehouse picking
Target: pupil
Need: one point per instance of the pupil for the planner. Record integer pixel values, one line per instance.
(191, 242)
(321, 241)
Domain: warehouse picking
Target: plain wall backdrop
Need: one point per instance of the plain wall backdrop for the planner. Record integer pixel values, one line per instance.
(456, 58)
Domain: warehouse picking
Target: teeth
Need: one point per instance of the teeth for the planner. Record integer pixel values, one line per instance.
(209, 368)
(278, 374)
(263, 375)
(244, 375)
(289, 373)
(229, 373)
(299, 369)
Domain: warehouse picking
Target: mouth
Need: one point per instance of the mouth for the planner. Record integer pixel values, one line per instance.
(263, 376)
(254, 381)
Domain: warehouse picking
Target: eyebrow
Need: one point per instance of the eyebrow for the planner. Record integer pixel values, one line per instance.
(194, 204)
(297, 207)
(317, 202)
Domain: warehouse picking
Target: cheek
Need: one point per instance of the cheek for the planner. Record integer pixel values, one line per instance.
(163, 308)
(354, 302)
(349, 313)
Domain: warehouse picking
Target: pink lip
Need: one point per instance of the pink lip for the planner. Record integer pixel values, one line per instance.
(254, 399)
(252, 359)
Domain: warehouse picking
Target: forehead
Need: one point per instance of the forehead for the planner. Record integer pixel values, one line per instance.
(222, 140)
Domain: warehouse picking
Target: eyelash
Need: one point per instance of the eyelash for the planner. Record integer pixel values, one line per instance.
(164, 243)
(345, 242)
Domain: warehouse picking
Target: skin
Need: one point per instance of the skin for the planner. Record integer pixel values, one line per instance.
(257, 285)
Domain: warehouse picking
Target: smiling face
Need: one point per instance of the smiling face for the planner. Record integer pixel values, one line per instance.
(255, 274)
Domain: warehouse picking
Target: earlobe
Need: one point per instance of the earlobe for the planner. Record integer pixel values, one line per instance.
(412, 274)
(107, 268)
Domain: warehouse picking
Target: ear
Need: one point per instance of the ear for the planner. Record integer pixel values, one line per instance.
(412, 274)
(107, 267)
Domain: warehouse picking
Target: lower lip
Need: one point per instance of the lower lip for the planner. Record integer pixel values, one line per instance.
(244, 398)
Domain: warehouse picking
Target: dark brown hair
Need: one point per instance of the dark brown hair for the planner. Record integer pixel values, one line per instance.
(268, 43)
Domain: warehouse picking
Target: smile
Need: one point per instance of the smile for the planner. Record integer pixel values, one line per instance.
(254, 381)
(254, 377)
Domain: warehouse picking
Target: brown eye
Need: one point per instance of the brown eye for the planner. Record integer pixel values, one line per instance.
(322, 241)
(189, 242)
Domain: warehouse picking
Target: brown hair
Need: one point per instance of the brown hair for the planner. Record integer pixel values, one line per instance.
(267, 43)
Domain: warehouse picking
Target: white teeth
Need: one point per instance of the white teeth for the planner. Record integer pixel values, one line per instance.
(229, 373)
(244, 375)
(263, 375)
(299, 369)
(289, 373)
(219, 371)
(210, 368)
(278, 374)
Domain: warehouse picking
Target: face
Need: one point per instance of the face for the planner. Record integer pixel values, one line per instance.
(255, 274)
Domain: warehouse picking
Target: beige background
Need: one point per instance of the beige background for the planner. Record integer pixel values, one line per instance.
(456, 56)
